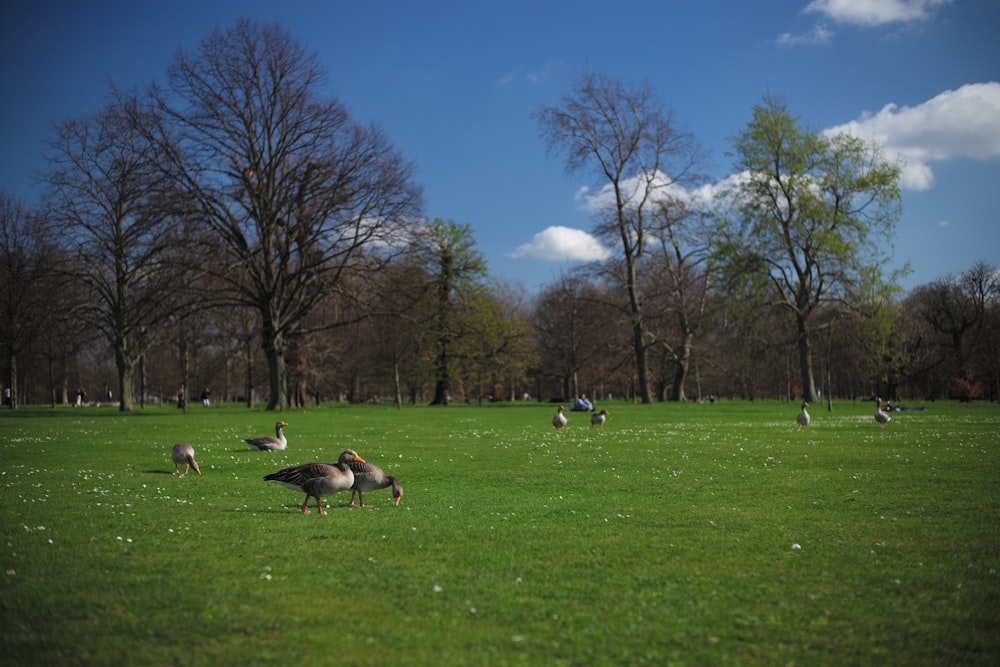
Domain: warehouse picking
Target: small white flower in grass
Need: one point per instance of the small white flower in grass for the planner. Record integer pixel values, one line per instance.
(437, 588)
(796, 546)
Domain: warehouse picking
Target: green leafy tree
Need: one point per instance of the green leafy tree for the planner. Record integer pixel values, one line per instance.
(811, 219)
(457, 271)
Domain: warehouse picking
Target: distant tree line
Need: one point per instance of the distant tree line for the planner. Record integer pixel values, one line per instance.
(234, 231)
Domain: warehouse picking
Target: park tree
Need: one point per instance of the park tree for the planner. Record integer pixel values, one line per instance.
(960, 309)
(811, 220)
(111, 203)
(625, 136)
(678, 287)
(501, 340)
(456, 271)
(574, 327)
(294, 193)
(28, 262)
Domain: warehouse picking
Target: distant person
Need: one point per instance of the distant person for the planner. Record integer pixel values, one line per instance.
(180, 396)
(206, 397)
(583, 405)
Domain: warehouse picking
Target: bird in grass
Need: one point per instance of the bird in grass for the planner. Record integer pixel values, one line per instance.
(267, 443)
(803, 419)
(318, 480)
(881, 416)
(559, 421)
(184, 453)
(598, 419)
(369, 477)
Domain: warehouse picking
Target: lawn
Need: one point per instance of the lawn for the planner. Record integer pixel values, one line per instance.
(680, 534)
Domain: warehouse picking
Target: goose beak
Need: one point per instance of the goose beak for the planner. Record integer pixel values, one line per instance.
(359, 459)
(396, 501)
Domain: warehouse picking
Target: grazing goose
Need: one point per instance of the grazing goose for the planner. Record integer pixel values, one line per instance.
(184, 453)
(598, 418)
(369, 477)
(317, 480)
(267, 443)
(559, 421)
(803, 418)
(881, 416)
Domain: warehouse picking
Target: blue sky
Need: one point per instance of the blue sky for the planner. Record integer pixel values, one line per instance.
(454, 85)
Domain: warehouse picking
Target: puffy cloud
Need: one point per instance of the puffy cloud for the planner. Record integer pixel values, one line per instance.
(963, 123)
(560, 244)
(875, 12)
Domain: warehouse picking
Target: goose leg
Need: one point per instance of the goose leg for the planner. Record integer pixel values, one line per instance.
(319, 508)
(305, 510)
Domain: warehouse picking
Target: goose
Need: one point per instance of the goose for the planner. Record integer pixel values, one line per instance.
(881, 416)
(184, 453)
(267, 443)
(597, 419)
(559, 421)
(369, 477)
(803, 418)
(317, 480)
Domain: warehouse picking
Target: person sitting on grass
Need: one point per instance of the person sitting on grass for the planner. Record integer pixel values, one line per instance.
(583, 405)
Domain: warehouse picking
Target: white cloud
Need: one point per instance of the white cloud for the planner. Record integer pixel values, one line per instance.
(876, 12)
(633, 190)
(818, 35)
(561, 244)
(963, 123)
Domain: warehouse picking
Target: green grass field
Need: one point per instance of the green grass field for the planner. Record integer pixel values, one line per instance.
(681, 534)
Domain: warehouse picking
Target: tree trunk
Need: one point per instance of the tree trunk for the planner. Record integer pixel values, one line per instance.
(126, 373)
(683, 364)
(805, 363)
(638, 325)
(641, 361)
(12, 386)
(397, 387)
(274, 350)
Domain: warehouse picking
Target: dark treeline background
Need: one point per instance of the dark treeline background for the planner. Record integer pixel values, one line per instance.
(233, 231)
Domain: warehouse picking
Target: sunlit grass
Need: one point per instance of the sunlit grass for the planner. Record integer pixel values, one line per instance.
(681, 534)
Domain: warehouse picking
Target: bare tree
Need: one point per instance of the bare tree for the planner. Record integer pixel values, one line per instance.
(678, 285)
(633, 144)
(106, 192)
(573, 328)
(291, 189)
(28, 257)
(957, 309)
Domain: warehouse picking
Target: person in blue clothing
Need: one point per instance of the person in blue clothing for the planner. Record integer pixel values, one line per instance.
(582, 404)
